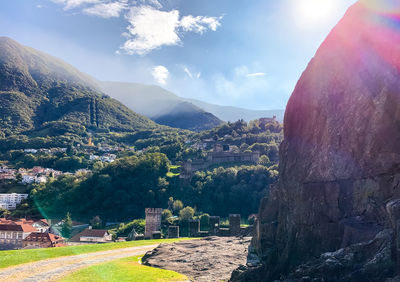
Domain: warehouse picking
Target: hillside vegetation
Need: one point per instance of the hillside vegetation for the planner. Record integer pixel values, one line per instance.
(41, 95)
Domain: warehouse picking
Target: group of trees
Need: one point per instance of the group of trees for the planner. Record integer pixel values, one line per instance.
(123, 189)
(59, 161)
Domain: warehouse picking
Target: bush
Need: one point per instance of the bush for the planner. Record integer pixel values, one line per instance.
(124, 229)
(186, 214)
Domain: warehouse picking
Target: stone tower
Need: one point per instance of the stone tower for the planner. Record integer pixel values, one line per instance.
(153, 221)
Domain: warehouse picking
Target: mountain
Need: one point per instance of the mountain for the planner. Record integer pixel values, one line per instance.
(334, 215)
(154, 102)
(185, 115)
(160, 105)
(40, 92)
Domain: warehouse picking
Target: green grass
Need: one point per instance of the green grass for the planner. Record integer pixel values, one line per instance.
(126, 269)
(15, 257)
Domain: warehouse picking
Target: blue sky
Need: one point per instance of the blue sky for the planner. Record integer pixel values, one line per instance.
(229, 52)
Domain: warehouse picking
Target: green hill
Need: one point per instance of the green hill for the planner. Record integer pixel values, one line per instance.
(42, 95)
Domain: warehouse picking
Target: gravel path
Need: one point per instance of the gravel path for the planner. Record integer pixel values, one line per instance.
(53, 269)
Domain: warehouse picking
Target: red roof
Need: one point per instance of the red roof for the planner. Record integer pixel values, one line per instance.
(38, 236)
(17, 227)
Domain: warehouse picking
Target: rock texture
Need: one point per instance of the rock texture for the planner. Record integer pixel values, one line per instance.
(209, 259)
(340, 160)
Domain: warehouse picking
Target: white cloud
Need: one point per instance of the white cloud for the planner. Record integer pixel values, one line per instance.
(107, 10)
(70, 4)
(187, 71)
(154, 3)
(160, 74)
(151, 28)
(199, 24)
(256, 74)
(191, 73)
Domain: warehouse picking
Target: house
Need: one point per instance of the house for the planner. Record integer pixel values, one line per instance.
(92, 236)
(12, 234)
(28, 179)
(41, 225)
(42, 240)
(7, 173)
(38, 169)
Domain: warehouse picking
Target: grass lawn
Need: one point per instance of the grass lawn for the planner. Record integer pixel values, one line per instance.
(126, 269)
(15, 257)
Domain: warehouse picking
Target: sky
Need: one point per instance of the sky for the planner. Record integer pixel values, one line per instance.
(238, 53)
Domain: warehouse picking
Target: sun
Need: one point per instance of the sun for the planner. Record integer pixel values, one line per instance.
(314, 12)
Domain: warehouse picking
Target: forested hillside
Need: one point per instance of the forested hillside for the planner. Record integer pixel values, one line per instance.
(41, 95)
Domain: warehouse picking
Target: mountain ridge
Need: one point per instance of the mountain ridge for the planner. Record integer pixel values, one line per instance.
(162, 100)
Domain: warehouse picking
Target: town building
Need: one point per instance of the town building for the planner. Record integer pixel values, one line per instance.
(42, 240)
(11, 200)
(7, 173)
(12, 234)
(41, 225)
(90, 235)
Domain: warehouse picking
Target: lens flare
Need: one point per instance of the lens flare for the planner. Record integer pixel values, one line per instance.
(314, 12)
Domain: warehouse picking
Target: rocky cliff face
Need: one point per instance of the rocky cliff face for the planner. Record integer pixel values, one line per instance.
(340, 160)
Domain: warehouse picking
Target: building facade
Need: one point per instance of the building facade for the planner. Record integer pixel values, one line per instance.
(12, 235)
(10, 201)
(92, 236)
(42, 240)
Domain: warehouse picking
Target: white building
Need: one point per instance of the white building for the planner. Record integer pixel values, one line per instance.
(28, 179)
(32, 151)
(10, 201)
(92, 236)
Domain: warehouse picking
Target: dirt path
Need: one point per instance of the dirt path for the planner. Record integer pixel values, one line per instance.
(53, 269)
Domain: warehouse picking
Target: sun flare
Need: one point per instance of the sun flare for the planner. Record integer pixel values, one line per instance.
(314, 12)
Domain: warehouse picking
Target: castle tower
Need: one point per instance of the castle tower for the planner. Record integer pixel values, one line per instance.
(153, 221)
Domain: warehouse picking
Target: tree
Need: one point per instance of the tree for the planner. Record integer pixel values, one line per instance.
(170, 203)
(66, 226)
(18, 177)
(4, 212)
(264, 160)
(177, 206)
(96, 222)
(186, 214)
(166, 214)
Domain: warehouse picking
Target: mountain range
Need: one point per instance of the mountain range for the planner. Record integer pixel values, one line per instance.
(155, 102)
(41, 95)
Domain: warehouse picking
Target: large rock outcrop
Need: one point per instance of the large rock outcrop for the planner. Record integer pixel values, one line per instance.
(340, 160)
